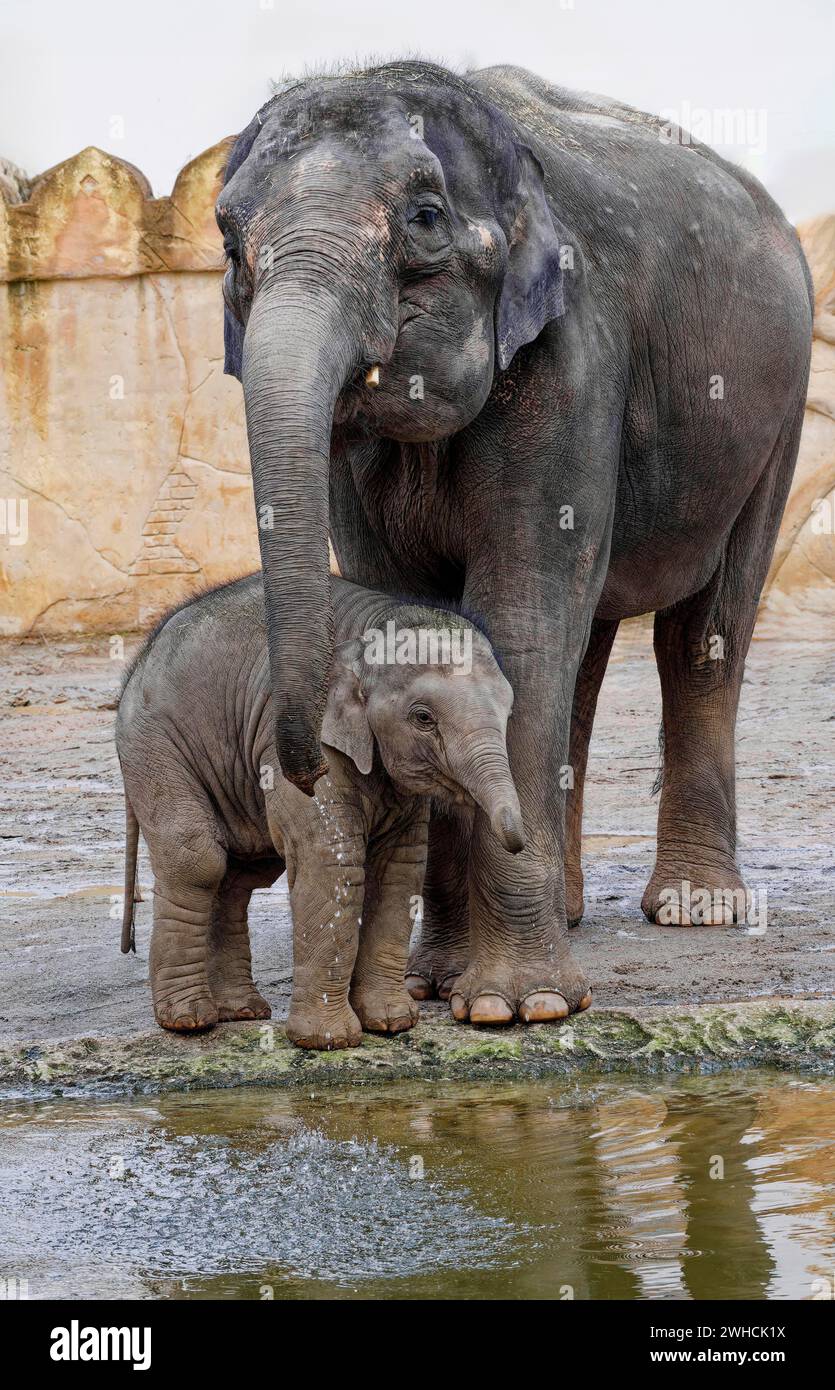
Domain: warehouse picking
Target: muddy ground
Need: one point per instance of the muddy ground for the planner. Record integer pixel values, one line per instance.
(62, 827)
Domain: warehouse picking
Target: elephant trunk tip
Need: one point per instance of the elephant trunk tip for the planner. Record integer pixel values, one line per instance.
(507, 825)
(301, 761)
(306, 781)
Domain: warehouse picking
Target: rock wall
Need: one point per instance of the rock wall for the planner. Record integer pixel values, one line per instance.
(799, 597)
(117, 425)
(124, 476)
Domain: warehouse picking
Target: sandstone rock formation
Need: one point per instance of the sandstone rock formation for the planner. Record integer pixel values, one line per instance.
(117, 425)
(124, 444)
(15, 186)
(800, 592)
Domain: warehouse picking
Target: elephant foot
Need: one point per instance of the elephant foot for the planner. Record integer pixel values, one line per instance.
(245, 1004)
(323, 1027)
(434, 967)
(496, 995)
(694, 894)
(189, 1014)
(384, 1011)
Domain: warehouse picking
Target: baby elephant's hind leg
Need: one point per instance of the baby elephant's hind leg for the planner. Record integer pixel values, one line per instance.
(230, 960)
(188, 870)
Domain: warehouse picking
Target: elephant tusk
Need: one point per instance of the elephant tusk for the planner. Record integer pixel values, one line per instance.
(372, 377)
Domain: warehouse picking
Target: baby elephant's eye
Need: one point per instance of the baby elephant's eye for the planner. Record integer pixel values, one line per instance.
(421, 718)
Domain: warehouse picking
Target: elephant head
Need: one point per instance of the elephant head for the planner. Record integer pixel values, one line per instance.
(389, 248)
(436, 704)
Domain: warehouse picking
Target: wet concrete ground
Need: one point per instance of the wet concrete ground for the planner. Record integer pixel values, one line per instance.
(62, 841)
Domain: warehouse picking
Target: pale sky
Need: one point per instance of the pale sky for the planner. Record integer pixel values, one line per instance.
(176, 75)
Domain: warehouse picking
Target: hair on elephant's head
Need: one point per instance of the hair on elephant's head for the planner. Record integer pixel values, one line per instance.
(389, 247)
(440, 724)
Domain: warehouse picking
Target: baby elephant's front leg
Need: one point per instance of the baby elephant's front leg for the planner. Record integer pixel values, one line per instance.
(394, 883)
(326, 874)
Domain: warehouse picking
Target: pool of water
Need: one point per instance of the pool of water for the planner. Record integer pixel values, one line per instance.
(685, 1188)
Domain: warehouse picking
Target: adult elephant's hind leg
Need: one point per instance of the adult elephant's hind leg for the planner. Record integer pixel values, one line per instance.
(443, 950)
(697, 815)
(700, 647)
(589, 680)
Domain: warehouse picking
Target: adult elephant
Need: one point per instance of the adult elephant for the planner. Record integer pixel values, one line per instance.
(535, 353)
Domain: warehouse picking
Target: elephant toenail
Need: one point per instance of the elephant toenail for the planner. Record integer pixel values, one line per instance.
(585, 1001)
(419, 987)
(491, 1009)
(543, 1007)
(458, 1006)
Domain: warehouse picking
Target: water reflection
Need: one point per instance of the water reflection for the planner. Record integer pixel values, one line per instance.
(725, 1254)
(697, 1188)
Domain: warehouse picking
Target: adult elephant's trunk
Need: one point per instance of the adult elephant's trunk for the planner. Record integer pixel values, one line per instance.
(482, 768)
(298, 353)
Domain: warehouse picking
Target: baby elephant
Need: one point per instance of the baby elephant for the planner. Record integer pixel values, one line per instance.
(417, 708)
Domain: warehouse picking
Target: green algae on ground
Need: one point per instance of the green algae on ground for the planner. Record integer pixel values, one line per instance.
(797, 1034)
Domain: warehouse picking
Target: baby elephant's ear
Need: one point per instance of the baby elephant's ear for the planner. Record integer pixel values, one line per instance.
(345, 725)
(532, 291)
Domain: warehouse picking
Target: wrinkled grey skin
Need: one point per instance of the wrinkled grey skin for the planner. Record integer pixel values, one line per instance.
(195, 740)
(569, 311)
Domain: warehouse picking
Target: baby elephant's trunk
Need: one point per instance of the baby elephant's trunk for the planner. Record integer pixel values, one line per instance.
(507, 825)
(485, 773)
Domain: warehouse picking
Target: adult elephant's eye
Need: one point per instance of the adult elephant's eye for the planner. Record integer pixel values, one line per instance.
(429, 239)
(427, 217)
(231, 290)
(428, 226)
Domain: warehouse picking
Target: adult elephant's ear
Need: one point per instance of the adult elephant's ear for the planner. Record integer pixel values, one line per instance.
(532, 292)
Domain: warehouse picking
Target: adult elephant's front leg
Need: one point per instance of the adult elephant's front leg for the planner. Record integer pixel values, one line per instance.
(444, 946)
(521, 965)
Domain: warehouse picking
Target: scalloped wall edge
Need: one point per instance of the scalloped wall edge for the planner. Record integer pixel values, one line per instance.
(94, 215)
